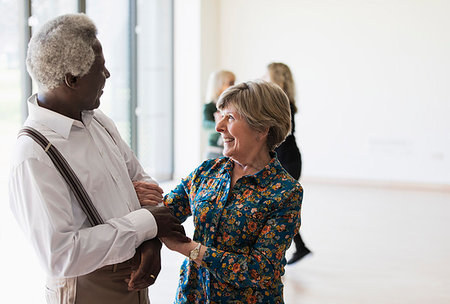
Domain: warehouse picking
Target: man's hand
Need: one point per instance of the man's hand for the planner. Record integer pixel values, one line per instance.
(146, 265)
(149, 194)
(168, 225)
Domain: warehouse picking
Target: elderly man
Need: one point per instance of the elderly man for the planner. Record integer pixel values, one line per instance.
(85, 262)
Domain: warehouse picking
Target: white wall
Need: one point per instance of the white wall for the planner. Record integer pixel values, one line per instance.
(187, 74)
(372, 80)
(196, 53)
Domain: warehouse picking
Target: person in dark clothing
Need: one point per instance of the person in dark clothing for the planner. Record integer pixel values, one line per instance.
(288, 152)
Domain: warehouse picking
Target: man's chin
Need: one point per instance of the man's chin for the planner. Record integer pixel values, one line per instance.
(96, 104)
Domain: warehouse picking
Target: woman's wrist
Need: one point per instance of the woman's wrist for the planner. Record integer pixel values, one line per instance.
(186, 249)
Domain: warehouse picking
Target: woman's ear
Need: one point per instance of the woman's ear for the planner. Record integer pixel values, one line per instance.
(262, 134)
(70, 80)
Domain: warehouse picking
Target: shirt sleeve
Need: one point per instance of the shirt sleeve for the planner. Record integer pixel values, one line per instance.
(50, 216)
(265, 261)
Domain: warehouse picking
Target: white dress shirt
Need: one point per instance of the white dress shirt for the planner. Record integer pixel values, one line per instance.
(48, 211)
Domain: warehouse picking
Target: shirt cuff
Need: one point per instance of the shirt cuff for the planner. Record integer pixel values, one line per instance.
(144, 223)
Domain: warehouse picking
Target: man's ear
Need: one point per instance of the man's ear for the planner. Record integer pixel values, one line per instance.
(70, 80)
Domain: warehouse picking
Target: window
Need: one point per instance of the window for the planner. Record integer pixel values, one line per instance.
(138, 96)
(155, 87)
(112, 20)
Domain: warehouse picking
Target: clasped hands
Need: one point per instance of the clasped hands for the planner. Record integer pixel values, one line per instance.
(146, 263)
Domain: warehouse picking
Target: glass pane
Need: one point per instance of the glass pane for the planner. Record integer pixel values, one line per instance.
(155, 87)
(43, 10)
(12, 92)
(112, 20)
(10, 101)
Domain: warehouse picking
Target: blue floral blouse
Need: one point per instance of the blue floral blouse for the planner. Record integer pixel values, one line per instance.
(247, 230)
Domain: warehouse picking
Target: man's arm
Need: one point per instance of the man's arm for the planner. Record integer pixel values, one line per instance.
(52, 220)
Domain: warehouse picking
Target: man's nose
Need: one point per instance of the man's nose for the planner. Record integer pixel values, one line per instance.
(107, 73)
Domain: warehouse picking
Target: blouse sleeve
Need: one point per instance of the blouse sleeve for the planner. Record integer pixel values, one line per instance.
(265, 261)
(178, 199)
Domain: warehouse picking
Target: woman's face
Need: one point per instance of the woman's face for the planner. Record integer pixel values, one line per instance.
(240, 140)
(229, 81)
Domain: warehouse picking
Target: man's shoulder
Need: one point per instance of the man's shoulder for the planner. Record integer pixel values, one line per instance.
(105, 121)
(27, 148)
(102, 117)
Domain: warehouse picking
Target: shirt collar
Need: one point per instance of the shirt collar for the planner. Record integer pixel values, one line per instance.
(264, 176)
(57, 122)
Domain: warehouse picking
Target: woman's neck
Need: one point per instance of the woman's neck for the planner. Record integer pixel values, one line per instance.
(249, 167)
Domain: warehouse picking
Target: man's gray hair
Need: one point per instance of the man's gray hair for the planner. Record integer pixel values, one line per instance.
(62, 45)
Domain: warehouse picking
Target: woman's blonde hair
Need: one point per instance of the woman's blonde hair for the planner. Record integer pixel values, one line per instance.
(264, 106)
(215, 83)
(62, 45)
(281, 75)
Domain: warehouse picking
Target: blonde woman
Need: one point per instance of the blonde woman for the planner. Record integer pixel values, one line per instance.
(219, 81)
(245, 206)
(288, 152)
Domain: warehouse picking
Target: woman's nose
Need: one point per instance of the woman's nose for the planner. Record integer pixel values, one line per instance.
(220, 126)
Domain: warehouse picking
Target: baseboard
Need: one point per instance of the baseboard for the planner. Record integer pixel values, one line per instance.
(378, 184)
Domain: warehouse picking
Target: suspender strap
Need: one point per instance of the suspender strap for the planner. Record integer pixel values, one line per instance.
(67, 173)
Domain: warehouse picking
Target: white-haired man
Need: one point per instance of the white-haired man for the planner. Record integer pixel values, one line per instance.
(85, 263)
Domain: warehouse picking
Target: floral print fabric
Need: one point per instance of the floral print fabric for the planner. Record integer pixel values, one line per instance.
(246, 229)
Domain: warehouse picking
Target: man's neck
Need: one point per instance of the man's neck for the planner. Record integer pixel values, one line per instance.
(58, 102)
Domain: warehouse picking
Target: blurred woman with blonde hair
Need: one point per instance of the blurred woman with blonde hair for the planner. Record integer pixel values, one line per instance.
(288, 152)
(218, 82)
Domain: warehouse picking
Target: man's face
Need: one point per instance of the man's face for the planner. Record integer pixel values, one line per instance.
(91, 85)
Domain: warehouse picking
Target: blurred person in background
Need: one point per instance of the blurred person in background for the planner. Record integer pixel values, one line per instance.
(218, 82)
(288, 152)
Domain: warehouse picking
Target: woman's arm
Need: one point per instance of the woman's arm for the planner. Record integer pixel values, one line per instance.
(178, 199)
(264, 263)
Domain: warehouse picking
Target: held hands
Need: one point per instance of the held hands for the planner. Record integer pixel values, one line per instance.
(145, 265)
(148, 194)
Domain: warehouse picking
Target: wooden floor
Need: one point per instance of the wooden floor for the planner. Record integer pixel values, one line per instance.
(370, 245)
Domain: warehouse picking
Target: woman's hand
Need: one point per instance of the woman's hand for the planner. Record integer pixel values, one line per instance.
(184, 248)
(148, 194)
(174, 245)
